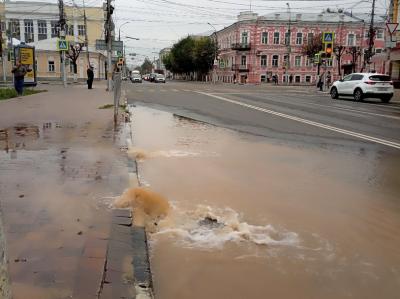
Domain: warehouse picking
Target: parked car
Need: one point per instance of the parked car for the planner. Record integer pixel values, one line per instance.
(364, 85)
(159, 78)
(136, 78)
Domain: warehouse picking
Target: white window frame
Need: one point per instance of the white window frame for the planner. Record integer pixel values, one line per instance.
(28, 26)
(288, 37)
(299, 38)
(297, 61)
(81, 30)
(242, 35)
(354, 40)
(382, 33)
(264, 37)
(265, 64)
(276, 60)
(277, 38)
(51, 66)
(305, 78)
(42, 30)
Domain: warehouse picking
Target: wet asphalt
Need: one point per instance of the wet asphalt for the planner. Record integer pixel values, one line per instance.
(257, 110)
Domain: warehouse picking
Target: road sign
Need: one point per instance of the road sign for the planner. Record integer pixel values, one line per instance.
(62, 45)
(327, 37)
(116, 45)
(392, 27)
(119, 53)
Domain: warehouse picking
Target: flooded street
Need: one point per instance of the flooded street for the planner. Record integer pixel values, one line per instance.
(254, 218)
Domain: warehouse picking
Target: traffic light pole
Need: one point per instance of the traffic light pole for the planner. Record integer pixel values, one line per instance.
(109, 46)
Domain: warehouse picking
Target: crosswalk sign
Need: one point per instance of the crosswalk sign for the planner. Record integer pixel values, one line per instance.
(62, 45)
(327, 37)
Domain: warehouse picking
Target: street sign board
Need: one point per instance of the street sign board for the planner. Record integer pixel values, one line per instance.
(26, 55)
(62, 45)
(116, 45)
(327, 37)
(392, 27)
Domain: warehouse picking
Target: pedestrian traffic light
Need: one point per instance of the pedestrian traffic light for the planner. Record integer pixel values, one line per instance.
(328, 50)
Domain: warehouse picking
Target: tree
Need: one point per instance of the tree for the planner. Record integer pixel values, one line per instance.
(204, 54)
(339, 51)
(183, 55)
(146, 67)
(312, 46)
(73, 55)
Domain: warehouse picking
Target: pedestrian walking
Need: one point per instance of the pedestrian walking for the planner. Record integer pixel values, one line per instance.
(328, 79)
(321, 82)
(276, 79)
(19, 71)
(90, 76)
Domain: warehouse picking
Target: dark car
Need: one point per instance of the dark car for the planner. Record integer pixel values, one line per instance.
(152, 77)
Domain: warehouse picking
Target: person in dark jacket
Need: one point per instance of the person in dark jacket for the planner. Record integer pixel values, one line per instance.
(19, 71)
(90, 76)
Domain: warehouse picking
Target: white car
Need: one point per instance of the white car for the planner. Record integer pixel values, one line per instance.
(159, 78)
(364, 85)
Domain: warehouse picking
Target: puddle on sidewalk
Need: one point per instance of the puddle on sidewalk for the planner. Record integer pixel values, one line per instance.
(252, 219)
(55, 180)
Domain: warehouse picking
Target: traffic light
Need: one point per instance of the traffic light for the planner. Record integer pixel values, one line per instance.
(328, 50)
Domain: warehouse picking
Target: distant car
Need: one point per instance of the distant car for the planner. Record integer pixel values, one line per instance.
(136, 78)
(124, 78)
(159, 78)
(364, 85)
(152, 77)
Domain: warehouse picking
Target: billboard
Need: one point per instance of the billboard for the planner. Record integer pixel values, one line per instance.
(26, 56)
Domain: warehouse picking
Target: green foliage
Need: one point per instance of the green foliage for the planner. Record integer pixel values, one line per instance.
(146, 67)
(8, 93)
(191, 55)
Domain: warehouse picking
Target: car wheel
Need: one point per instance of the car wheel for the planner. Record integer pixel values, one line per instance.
(386, 99)
(358, 95)
(334, 93)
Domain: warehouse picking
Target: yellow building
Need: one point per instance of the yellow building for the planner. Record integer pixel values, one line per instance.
(36, 24)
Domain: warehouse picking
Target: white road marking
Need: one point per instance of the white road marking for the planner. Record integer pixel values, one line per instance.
(309, 122)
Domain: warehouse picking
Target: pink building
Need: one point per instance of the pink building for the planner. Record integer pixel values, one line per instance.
(256, 47)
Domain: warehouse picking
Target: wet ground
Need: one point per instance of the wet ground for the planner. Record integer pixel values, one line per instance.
(253, 217)
(60, 168)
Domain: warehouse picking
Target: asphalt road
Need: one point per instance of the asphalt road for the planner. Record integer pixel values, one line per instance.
(298, 115)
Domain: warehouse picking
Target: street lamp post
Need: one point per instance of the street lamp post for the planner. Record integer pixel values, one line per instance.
(119, 30)
(215, 54)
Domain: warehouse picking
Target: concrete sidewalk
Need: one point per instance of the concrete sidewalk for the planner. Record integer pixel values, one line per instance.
(61, 165)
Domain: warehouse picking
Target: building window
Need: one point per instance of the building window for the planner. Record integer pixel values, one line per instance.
(285, 60)
(264, 38)
(276, 38)
(299, 38)
(42, 30)
(310, 37)
(351, 40)
(287, 38)
(243, 60)
(308, 79)
(3, 26)
(263, 61)
(297, 61)
(297, 79)
(70, 30)
(378, 51)
(379, 33)
(329, 62)
(308, 61)
(54, 28)
(245, 37)
(263, 78)
(51, 66)
(13, 26)
(275, 59)
(28, 24)
(81, 30)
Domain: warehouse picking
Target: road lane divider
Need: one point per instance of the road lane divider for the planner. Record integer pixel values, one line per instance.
(306, 121)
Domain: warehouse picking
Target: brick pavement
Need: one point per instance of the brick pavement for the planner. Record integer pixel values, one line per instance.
(61, 165)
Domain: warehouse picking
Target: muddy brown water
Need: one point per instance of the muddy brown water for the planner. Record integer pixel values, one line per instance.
(293, 221)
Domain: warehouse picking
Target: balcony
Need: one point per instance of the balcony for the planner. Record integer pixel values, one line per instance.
(241, 46)
(241, 67)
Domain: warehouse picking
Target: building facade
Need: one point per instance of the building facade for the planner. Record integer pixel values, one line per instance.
(394, 43)
(255, 48)
(36, 24)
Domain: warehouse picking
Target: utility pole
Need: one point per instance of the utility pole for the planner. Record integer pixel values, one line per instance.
(369, 53)
(108, 35)
(289, 50)
(62, 22)
(86, 34)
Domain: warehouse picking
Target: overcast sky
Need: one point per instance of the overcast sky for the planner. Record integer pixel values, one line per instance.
(160, 23)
